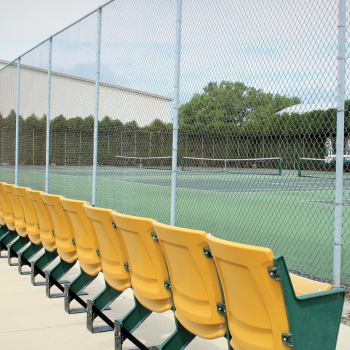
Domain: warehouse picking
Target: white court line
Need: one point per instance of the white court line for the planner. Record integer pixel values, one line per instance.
(194, 189)
(315, 202)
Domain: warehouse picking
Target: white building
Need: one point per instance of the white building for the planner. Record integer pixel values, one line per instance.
(73, 96)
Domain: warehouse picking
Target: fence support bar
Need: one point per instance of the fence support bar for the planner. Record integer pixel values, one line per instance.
(97, 92)
(17, 119)
(176, 113)
(47, 167)
(339, 145)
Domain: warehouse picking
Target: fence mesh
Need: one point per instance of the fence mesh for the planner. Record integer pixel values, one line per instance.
(8, 96)
(259, 80)
(257, 120)
(136, 91)
(72, 109)
(33, 111)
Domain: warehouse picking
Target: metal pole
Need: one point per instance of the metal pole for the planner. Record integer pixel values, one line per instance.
(97, 93)
(17, 120)
(2, 145)
(33, 147)
(65, 147)
(150, 144)
(47, 168)
(340, 145)
(135, 144)
(176, 114)
(80, 147)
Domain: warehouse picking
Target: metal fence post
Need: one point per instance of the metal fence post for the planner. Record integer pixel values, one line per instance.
(340, 144)
(47, 167)
(176, 114)
(17, 119)
(97, 93)
(33, 146)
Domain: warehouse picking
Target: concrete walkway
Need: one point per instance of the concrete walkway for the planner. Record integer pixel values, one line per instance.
(31, 321)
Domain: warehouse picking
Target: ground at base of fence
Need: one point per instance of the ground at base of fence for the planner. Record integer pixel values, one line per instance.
(32, 321)
(345, 319)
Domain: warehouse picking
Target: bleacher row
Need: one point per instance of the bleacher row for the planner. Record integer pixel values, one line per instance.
(216, 288)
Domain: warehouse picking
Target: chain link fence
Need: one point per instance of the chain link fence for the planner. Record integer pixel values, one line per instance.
(257, 120)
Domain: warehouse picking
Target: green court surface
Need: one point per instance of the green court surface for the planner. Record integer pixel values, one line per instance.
(291, 215)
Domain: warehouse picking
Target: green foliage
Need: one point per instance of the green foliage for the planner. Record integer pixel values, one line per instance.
(231, 103)
(205, 130)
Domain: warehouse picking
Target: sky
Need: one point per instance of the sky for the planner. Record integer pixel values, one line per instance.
(286, 47)
(25, 23)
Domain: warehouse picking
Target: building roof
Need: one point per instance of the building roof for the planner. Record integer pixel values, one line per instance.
(309, 107)
(4, 63)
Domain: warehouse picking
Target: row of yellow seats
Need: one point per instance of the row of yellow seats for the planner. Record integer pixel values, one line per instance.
(216, 288)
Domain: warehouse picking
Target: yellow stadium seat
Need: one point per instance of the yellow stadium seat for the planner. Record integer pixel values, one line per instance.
(63, 230)
(17, 210)
(194, 281)
(41, 219)
(30, 215)
(146, 262)
(65, 243)
(263, 311)
(85, 237)
(6, 236)
(25, 212)
(304, 286)
(14, 219)
(2, 220)
(7, 208)
(113, 255)
(45, 223)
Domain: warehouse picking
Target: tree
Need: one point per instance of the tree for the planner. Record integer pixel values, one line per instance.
(232, 103)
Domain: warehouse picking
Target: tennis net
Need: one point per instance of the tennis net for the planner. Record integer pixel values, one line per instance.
(160, 163)
(315, 167)
(254, 166)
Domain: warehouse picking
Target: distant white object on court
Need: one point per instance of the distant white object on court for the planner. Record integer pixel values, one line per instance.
(329, 159)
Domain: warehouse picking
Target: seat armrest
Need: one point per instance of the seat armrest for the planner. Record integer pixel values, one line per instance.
(314, 319)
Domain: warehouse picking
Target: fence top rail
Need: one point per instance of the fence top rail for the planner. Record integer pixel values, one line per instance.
(310, 159)
(60, 31)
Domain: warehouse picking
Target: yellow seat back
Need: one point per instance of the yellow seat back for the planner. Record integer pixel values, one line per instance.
(254, 301)
(45, 224)
(62, 228)
(146, 262)
(29, 214)
(304, 286)
(85, 237)
(194, 281)
(2, 220)
(18, 212)
(9, 217)
(113, 255)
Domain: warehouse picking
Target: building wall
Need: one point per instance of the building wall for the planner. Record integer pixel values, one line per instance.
(74, 97)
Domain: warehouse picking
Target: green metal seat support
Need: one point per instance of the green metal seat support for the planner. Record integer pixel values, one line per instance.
(14, 247)
(38, 265)
(25, 256)
(100, 303)
(6, 237)
(76, 287)
(320, 313)
(54, 276)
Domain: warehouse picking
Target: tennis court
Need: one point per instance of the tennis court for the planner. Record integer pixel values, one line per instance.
(292, 215)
